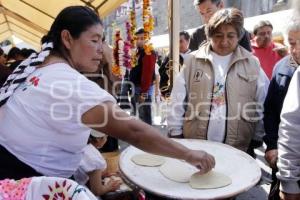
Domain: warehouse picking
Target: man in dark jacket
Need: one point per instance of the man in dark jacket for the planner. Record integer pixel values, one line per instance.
(142, 77)
(282, 74)
(206, 9)
(164, 71)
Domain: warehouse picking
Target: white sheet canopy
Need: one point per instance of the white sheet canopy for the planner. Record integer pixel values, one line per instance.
(29, 20)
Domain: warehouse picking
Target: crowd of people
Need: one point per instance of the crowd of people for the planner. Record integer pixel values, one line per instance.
(232, 88)
(9, 62)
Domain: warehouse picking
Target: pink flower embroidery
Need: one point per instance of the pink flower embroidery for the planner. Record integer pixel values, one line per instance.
(35, 81)
(58, 192)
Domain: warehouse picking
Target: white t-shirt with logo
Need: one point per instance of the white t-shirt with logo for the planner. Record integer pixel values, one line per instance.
(217, 121)
(41, 122)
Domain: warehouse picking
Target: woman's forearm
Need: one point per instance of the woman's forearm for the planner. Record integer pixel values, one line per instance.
(146, 137)
(155, 143)
(119, 124)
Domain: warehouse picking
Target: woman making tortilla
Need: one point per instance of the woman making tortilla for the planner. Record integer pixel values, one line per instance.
(48, 107)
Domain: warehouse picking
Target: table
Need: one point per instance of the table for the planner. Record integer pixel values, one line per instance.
(239, 166)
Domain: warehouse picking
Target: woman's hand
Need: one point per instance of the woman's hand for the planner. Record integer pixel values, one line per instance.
(202, 160)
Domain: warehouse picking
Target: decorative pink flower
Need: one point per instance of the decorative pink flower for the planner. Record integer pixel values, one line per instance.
(14, 190)
(35, 81)
(58, 192)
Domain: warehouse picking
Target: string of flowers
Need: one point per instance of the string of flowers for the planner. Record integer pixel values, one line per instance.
(148, 22)
(128, 50)
(118, 68)
(131, 29)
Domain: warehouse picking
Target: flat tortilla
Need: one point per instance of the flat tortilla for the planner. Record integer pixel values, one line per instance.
(210, 180)
(148, 160)
(177, 170)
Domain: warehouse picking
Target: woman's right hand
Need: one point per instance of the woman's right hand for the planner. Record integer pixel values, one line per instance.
(200, 159)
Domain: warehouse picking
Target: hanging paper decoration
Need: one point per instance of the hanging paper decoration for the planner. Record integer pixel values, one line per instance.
(148, 21)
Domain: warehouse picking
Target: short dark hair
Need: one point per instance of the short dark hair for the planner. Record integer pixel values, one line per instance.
(228, 16)
(140, 31)
(260, 25)
(13, 52)
(185, 34)
(27, 52)
(198, 2)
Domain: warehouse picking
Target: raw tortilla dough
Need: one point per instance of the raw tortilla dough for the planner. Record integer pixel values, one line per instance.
(210, 180)
(148, 160)
(177, 171)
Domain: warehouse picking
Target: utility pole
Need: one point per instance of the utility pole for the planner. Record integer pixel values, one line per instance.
(174, 28)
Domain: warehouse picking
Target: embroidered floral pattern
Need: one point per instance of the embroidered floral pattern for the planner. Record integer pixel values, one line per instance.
(78, 190)
(34, 81)
(218, 95)
(62, 191)
(42, 188)
(14, 190)
(58, 191)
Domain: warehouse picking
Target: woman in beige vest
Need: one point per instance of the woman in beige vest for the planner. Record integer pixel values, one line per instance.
(219, 94)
